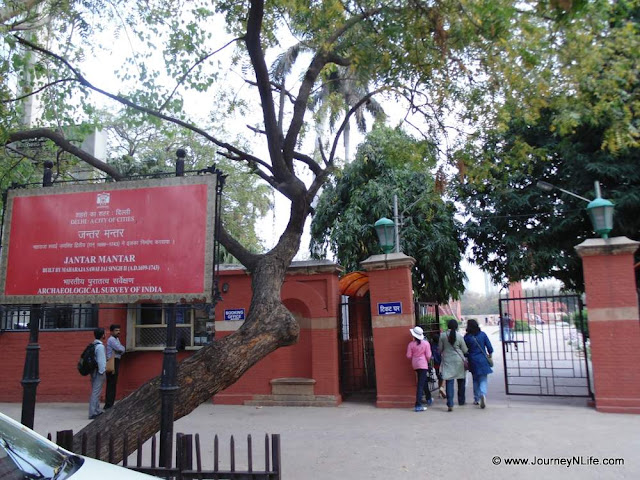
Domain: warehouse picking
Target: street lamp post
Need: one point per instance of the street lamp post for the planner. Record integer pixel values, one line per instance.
(386, 230)
(600, 210)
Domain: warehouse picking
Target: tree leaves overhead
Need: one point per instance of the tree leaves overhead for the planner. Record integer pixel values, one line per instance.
(584, 128)
(390, 162)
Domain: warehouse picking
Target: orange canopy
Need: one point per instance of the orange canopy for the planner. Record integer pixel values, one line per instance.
(354, 284)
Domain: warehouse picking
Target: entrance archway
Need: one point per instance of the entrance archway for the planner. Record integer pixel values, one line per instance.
(357, 363)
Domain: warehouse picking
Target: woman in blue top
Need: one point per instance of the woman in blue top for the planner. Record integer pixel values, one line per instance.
(479, 348)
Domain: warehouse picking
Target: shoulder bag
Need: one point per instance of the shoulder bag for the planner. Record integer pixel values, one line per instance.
(465, 362)
(487, 356)
(111, 365)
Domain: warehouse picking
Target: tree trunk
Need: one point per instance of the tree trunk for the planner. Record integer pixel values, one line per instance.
(213, 368)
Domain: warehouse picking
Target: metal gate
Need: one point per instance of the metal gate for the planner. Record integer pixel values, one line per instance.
(545, 346)
(357, 367)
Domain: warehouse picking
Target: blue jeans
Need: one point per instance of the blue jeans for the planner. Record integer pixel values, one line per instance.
(479, 387)
(423, 386)
(461, 387)
(507, 335)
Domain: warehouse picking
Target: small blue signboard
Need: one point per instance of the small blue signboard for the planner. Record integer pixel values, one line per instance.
(235, 314)
(390, 308)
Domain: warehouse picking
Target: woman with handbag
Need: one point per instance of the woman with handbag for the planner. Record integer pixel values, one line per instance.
(419, 352)
(453, 349)
(480, 361)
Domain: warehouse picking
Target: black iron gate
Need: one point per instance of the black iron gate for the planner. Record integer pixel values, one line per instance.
(357, 366)
(545, 346)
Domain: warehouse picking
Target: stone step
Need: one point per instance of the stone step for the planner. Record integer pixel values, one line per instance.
(292, 401)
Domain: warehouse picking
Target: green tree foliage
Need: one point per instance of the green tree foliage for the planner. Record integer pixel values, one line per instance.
(479, 304)
(586, 129)
(437, 58)
(391, 162)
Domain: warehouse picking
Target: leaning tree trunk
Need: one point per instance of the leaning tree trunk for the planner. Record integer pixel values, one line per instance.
(213, 368)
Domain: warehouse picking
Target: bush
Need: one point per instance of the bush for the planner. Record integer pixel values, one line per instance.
(522, 326)
(581, 323)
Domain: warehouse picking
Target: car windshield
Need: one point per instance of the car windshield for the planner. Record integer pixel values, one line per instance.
(24, 455)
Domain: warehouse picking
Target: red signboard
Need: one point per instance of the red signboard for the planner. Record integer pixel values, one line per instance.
(118, 242)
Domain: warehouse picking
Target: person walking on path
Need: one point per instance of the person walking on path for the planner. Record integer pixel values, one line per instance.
(419, 352)
(453, 349)
(97, 376)
(115, 350)
(480, 351)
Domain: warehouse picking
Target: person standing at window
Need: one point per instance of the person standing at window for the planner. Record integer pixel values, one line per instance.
(97, 376)
(115, 350)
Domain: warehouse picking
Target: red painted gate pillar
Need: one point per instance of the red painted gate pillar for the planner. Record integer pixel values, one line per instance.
(392, 315)
(614, 322)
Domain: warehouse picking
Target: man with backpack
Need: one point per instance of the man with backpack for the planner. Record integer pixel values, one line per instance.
(97, 375)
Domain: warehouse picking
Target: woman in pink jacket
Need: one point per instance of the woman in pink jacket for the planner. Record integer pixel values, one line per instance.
(419, 352)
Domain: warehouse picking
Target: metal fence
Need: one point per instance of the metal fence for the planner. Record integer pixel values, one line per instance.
(186, 447)
(545, 344)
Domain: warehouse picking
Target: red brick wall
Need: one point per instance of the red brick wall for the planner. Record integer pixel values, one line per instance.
(395, 379)
(313, 298)
(58, 357)
(614, 330)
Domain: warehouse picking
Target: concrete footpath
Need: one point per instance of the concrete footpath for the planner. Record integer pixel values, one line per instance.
(564, 437)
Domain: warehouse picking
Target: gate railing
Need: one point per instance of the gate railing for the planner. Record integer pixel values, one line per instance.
(184, 460)
(545, 346)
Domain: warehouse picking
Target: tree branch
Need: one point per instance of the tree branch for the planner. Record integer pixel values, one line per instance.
(83, 81)
(35, 92)
(7, 13)
(67, 146)
(318, 62)
(310, 162)
(188, 72)
(272, 130)
(234, 247)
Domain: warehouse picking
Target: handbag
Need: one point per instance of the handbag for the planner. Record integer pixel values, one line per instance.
(487, 356)
(111, 364)
(465, 362)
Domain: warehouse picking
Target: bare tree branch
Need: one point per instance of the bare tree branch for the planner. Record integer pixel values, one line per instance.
(67, 146)
(273, 132)
(7, 13)
(315, 67)
(124, 101)
(35, 92)
(232, 246)
(310, 162)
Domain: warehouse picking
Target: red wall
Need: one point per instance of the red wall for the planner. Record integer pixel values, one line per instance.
(312, 297)
(58, 356)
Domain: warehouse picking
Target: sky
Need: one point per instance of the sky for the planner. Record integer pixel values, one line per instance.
(100, 70)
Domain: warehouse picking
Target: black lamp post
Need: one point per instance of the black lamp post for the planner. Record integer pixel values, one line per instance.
(31, 372)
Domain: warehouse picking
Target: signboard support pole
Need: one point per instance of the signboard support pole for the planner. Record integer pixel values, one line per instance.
(168, 390)
(31, 375)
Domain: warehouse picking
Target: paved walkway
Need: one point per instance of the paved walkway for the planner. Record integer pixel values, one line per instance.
(358, 441)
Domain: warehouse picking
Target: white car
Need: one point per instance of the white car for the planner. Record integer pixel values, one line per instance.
(24, 454)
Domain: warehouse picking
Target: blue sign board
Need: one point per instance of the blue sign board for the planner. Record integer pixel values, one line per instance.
(390, 308)
(235, 314)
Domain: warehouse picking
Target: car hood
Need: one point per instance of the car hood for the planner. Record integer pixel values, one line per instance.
(96, 470)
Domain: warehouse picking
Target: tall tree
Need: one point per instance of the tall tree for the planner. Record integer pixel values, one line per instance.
(389, 163)
(424, 54)
(584, 129)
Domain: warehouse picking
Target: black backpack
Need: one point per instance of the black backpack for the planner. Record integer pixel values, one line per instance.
(88, 362)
